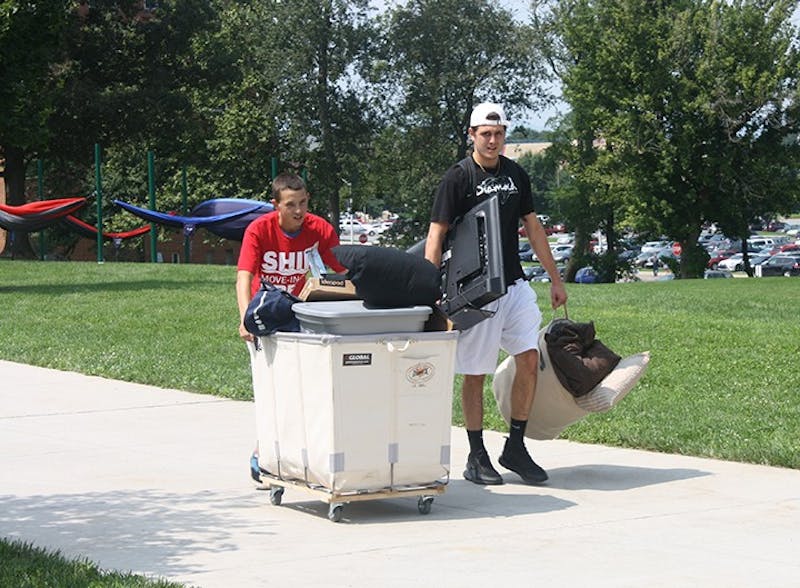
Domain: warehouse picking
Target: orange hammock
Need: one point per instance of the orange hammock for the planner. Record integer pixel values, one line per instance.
(90, 231)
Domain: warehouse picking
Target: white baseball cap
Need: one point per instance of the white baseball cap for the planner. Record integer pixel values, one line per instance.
(488, 113)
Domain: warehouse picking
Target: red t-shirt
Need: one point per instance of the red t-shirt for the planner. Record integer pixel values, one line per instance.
(270, 253)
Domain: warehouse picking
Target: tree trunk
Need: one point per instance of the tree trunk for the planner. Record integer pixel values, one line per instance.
(329, 176)
(610, 262)
(693, 260)
(17, 244)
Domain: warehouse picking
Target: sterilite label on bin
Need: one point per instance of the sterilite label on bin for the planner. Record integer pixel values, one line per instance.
(357, 359)
(420, 373)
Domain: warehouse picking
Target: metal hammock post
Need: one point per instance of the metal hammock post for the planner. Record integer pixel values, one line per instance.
(98, 192)
(40, 194)
(187, 242)
(151, 188)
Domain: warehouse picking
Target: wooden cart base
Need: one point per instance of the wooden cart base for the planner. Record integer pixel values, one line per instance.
(337, 500)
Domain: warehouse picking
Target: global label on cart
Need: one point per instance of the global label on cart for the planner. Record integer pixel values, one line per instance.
(357, 359)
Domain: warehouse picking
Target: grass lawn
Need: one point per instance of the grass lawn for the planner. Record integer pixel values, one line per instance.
(25, 566)
(723, 379)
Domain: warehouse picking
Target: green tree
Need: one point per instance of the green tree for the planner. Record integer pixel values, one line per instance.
(297, 63)
(689, 106)
(31, 34)
(436, 61)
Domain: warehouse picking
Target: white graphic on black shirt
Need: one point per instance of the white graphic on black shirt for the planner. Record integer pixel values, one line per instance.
(503, 186)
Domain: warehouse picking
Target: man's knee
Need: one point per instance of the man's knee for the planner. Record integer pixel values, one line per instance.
(473, 383)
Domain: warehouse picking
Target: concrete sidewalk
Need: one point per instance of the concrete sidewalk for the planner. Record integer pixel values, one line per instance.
(156, 481)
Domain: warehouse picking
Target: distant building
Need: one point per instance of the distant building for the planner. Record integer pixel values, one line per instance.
(205, 248)
(516, 150)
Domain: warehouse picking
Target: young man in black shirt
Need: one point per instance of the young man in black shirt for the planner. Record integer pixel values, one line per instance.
(514, 326)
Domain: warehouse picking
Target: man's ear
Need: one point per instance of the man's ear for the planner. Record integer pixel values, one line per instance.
(273, 202)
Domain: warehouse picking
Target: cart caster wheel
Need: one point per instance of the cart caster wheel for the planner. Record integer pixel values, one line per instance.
(276, 495)
(424, 504)
(335, 513)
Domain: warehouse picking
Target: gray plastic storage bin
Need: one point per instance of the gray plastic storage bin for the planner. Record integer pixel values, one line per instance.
(352, 317)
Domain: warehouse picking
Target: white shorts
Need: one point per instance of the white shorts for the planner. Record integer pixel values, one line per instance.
(514, 328)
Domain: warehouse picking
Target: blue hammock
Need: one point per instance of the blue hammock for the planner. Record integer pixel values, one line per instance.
(225, 217)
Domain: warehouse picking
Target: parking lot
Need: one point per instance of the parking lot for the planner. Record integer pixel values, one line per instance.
(774, 252)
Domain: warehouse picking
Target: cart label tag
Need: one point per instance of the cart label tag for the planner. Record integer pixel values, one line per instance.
(420, 373)
(357, 359)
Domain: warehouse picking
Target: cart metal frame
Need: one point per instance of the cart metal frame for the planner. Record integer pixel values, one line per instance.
(337, 500)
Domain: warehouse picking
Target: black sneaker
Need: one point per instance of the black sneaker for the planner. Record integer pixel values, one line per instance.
(480, 470)
(517, 459)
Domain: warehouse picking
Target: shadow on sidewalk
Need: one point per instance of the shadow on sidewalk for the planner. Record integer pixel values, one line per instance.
(131, 530)
(614, 478)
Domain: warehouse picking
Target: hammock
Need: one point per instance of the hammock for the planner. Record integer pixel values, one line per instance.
(225, 217)
(90, 231)
(33, 216)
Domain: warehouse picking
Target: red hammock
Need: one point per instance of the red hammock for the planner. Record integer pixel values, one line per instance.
(90, 231)
(33, 216)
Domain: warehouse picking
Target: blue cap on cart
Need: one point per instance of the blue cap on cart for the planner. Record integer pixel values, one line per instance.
(270, 310)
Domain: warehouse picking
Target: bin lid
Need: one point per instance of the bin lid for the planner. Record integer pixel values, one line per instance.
(356, 309)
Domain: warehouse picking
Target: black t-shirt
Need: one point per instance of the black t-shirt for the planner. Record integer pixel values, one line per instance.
(512, 185)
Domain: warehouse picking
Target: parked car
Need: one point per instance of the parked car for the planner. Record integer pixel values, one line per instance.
(713, 262)
(781, 265)
(715, 241)
(756, 243)
(775, 226)
(645, 258)
(628, 254)
(565, 239)
(735, 263)
(555, 229)
(710, 274)
(789, 247)
(356, 227)
(653, 246)
(562, 253)
(758, 259)
(586, 275)
(525, 251)
(534, 271)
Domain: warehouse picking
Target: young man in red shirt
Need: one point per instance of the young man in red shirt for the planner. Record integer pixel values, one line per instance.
(277, 245)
